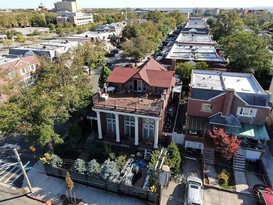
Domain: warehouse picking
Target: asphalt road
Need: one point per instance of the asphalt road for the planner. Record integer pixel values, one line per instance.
(10, 171)
(11, 197)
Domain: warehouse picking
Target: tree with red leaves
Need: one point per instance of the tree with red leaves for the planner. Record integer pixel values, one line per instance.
(225, 144)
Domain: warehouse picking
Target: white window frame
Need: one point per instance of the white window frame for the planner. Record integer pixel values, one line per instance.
(32, 67)
(23, 69)
(246, 112)
(111, 123)
(11, 75)
(206, 107)
(148, 130)
(129, 122)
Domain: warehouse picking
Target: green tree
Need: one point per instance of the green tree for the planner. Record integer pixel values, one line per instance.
(174, 158)
(202, 66)
(93, 55)
(227, 24)
(137, 48)
(247, 52)
(104, 75)
(7, 42)
(184, 72)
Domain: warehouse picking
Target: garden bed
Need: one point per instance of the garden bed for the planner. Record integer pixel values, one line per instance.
(222, 164)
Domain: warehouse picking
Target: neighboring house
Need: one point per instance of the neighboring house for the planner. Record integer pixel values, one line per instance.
(196, 25)
(16, 70)
(132, 109)
(51, 49)
(115, 28)
(233, 101)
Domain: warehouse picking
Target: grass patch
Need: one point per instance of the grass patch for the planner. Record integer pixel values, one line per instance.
(221, 164)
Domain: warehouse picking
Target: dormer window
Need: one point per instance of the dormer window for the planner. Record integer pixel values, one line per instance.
(206, 107)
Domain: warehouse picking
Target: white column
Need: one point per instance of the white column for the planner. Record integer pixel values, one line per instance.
(117, 128)
(99, 124)
(136, 130)
(156, 134)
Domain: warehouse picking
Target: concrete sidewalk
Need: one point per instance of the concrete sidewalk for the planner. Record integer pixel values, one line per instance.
(267, 161)
(51, 188)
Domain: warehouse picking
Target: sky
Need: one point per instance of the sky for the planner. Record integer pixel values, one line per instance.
(141, 3)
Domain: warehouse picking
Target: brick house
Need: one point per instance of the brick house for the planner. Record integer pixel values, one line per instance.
(132, 109)
(16, 70)
(233, 101)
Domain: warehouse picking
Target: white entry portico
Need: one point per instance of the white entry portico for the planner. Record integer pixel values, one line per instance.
(116, 127)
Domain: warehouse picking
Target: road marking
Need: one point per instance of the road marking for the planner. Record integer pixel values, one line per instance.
(8, 172)
(19, 174)
(6, 167)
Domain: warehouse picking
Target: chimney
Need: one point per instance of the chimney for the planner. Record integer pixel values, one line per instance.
(228, 101)
(173, 64)
(105, 90)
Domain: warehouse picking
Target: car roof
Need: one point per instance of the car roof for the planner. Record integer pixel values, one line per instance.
(194, 193)
(194, 179)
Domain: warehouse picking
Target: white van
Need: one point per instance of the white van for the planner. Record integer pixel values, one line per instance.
(194, 191)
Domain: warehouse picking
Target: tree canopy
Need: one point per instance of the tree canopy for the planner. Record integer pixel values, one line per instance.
(225, 144)
(60, 89)
(246, 52)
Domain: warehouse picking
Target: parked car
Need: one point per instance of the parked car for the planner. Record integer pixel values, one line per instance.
(194, 191)
(263, 194)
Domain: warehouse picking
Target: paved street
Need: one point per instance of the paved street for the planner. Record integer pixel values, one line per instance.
(11, 197)
(10, 172)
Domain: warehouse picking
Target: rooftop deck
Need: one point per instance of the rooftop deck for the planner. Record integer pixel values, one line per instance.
(130, 103)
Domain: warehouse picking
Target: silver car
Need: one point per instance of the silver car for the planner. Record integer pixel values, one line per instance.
(194, 191)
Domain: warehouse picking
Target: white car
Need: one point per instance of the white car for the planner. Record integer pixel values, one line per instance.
(194, 191)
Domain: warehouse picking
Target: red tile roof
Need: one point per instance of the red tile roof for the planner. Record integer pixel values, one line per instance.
(152, 72)
(121, 75)
(163, 79)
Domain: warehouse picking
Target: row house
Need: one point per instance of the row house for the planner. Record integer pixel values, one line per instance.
(18, 70)
(233, 101)
(131, 108)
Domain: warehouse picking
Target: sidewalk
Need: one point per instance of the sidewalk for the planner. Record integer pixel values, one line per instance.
(51, 188)
(267, 161)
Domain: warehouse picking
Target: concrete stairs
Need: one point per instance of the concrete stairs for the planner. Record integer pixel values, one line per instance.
(239, 160)
(208, 155)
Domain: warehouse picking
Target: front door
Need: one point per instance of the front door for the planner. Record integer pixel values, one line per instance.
(138, 85)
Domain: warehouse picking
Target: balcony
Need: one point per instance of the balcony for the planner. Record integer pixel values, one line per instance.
(137, 103)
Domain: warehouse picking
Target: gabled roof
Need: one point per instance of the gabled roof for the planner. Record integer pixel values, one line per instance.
(152, 72)
(229, 120)
(121, 75)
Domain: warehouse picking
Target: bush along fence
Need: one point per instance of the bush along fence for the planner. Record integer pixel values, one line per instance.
(106, 177)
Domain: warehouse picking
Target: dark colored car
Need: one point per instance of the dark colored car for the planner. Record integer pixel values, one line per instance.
(263, 194)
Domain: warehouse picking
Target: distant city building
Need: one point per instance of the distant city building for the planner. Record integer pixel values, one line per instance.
(42, 7)
(205, 12)
(69, 11)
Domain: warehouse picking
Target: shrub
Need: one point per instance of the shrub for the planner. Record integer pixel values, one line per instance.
(56, 161)
(46, 158)
(109, 170)
(223, 177)
(93, 168)
(120, 161)
(79, 166)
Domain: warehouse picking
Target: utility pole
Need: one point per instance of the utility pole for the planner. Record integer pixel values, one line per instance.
(23, 169)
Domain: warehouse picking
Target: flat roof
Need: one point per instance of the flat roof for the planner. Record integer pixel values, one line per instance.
(196, 52)
(195, 39)
(215, 80)
(196, 23)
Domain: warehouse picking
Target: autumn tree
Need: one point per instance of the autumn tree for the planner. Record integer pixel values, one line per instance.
(225, 144)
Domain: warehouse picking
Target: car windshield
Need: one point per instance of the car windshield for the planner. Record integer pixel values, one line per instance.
(194, 186)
